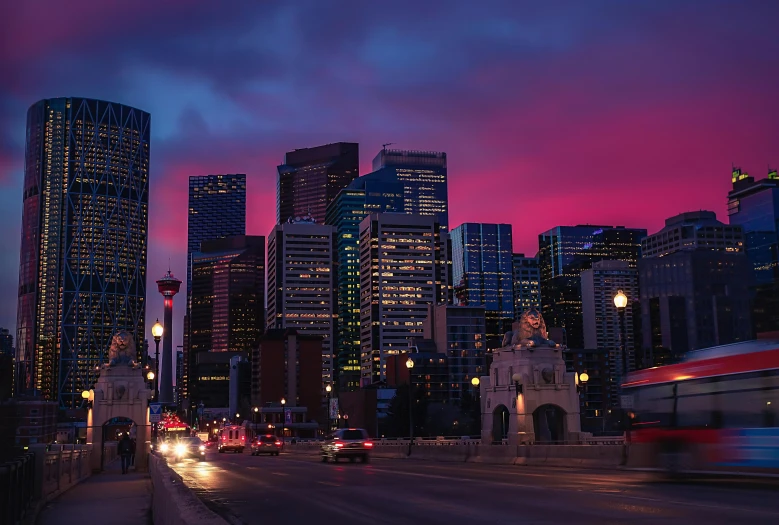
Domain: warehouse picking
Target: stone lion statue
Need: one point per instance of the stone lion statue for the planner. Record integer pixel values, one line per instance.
(532, 331)
(122, 349)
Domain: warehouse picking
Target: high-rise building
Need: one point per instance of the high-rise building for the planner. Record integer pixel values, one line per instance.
(603, 328)
(301, 292)
(345, 213)
(563, 253)
(179, 375)
(482, 274)
(459, 332)
(527, 284)
(754, 205)
(694, 294)
(310, 178)
(82, 274)
(217, 209)
(403, 268)
(227, 312)
(6, 342)
(424, 178)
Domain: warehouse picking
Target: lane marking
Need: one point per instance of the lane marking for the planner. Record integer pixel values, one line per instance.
(329, 483)
(280, 473)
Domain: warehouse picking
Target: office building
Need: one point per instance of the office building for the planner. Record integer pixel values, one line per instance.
(287, 364)
(345, 213)
(6, 342)
(754, 205)
(424, 178)
(211, 379)
(179, 376)
(429, 376)
(564, 252)
(602, 326)
(695, 295)
(301, 293)
(310, 179)
(403, 268)
(527, 284)
(596, 395)
(459, 332)
(82, 273)
(217, 209)
(482, 274)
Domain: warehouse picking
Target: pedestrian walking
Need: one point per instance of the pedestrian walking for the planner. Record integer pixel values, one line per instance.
(132, 452)
(125, 451)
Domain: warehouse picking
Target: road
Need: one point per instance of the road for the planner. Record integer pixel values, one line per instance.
(296, 488)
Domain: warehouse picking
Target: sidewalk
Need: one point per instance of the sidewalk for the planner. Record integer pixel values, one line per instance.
(108, 498)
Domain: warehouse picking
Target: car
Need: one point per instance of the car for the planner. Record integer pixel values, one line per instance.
(267, 444)
(188, 447)
(349, 443)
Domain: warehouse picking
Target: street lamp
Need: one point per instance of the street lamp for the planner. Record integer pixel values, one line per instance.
(156, 332)
(283, 420)
(329, 390)
(475, 381)
(410, 365)
(621, 301)
(150, 378)
(254, 418)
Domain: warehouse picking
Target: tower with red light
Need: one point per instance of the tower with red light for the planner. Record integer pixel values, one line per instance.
(168, 287)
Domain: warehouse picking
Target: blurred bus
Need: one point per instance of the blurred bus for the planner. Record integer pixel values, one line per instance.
(717, 411)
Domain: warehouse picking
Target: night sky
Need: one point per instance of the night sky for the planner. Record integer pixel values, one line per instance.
(551, 113)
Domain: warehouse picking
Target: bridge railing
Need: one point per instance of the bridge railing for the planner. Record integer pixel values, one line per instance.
(17, 488)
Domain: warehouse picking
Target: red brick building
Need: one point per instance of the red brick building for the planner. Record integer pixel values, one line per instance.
(31, 420)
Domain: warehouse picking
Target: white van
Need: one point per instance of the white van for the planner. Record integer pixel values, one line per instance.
(232, 437)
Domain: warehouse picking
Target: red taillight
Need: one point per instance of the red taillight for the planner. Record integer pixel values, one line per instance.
(368, 444)
(278, 443)
(339, 445)
(243, 438)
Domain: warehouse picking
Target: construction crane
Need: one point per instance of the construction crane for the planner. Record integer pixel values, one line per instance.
(384, 146)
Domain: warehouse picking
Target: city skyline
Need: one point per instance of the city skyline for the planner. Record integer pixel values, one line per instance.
(670, 147)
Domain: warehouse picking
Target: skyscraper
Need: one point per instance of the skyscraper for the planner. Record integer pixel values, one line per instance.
(694, 294)
(301, 292)
(310, 178)
(217, 209)
(482, 274)
(82, 274)
(403, 268)
(527, 284)
(345, 213)
(424, 178)
(602, 329)
(227, 312)
(563, 253)
(754, 205)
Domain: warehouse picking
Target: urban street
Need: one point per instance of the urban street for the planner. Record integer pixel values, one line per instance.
(298, 488)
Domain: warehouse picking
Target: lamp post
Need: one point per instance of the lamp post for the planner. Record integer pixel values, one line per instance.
(283, 420)
(581, 386)
(410, 365)
(254, 418)
(476, 382)
(621, 301)
(156, 332)
(329, 390)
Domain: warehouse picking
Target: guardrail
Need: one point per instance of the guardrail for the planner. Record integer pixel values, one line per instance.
(17, 487)
(61, 467)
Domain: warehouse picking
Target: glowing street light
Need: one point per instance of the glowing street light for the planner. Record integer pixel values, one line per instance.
(620, 300)
(85, 394)
(156, 332)
(475, 381)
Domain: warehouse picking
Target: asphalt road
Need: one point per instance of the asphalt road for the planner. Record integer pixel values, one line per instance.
(299, 489)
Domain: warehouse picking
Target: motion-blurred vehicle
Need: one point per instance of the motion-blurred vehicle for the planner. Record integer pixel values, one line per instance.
(717, 411)
(188, 447)
(232, 437)
(349, 443)
(266, 444)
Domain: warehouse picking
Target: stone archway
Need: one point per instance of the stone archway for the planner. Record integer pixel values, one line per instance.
(500, 423)
(112, 432)
(549, 424)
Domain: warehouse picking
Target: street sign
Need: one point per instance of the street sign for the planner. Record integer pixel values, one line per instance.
(155, 412)
(333, 408)
(287, 416)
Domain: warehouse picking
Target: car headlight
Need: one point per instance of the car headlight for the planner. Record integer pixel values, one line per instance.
(202, 448)
(180, 449)
(164, 447)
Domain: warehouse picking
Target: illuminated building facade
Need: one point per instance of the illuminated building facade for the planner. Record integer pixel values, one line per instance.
(82, 274)
(482, 274)
(563, 253)
(227, 312)
(310, 179)
(424, 178)
(694, 294)
(754, 205)
(404, 267)
(527, 284)
(345, 213)
(301, 284)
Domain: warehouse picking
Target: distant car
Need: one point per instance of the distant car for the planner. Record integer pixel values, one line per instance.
(349, 443)
(267, 444)
(188, 447)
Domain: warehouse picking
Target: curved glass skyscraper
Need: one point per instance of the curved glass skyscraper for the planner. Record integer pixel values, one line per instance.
(82, 272)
